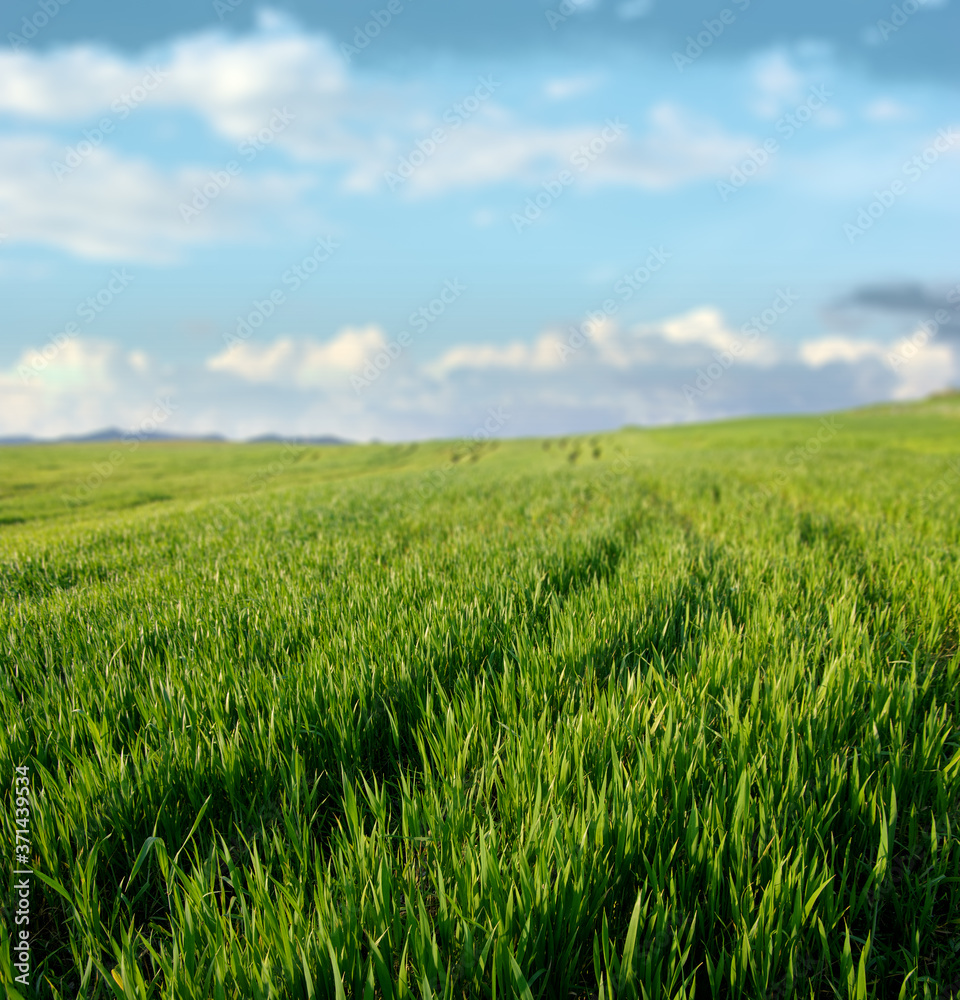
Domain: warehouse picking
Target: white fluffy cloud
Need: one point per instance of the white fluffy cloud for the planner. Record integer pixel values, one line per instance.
(236, 84)
(779, 83)
(683, 368)
(304, 363)
(56, 368)
(562, 88)
(677, 148)
(677, 341)
(69, 83)
(231, 82)
(79, 386)
(886, 109)
(68, 179)
(601, 361)
(542, 355)
(115, 208)
(672, 148)
(833, 349)
(921, 365)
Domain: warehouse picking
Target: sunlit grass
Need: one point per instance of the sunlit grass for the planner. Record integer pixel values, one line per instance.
(440, 720)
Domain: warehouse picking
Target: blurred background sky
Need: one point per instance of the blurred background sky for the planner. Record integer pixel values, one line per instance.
(414, 218)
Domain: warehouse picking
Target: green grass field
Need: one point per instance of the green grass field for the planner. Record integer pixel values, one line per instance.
(653, 713)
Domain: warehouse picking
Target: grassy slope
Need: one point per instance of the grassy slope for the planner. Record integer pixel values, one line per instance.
(677, 711)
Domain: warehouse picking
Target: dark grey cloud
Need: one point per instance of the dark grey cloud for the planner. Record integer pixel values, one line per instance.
(908, 298)
(898, 38)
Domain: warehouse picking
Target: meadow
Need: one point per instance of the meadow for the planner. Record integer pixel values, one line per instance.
(654, 713)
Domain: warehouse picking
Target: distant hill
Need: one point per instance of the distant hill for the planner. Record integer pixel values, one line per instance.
(281, 439)
(115, 434)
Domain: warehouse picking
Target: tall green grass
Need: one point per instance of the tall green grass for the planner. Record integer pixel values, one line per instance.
(652, 714)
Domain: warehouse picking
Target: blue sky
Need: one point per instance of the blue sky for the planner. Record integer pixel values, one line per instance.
(572, 216)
